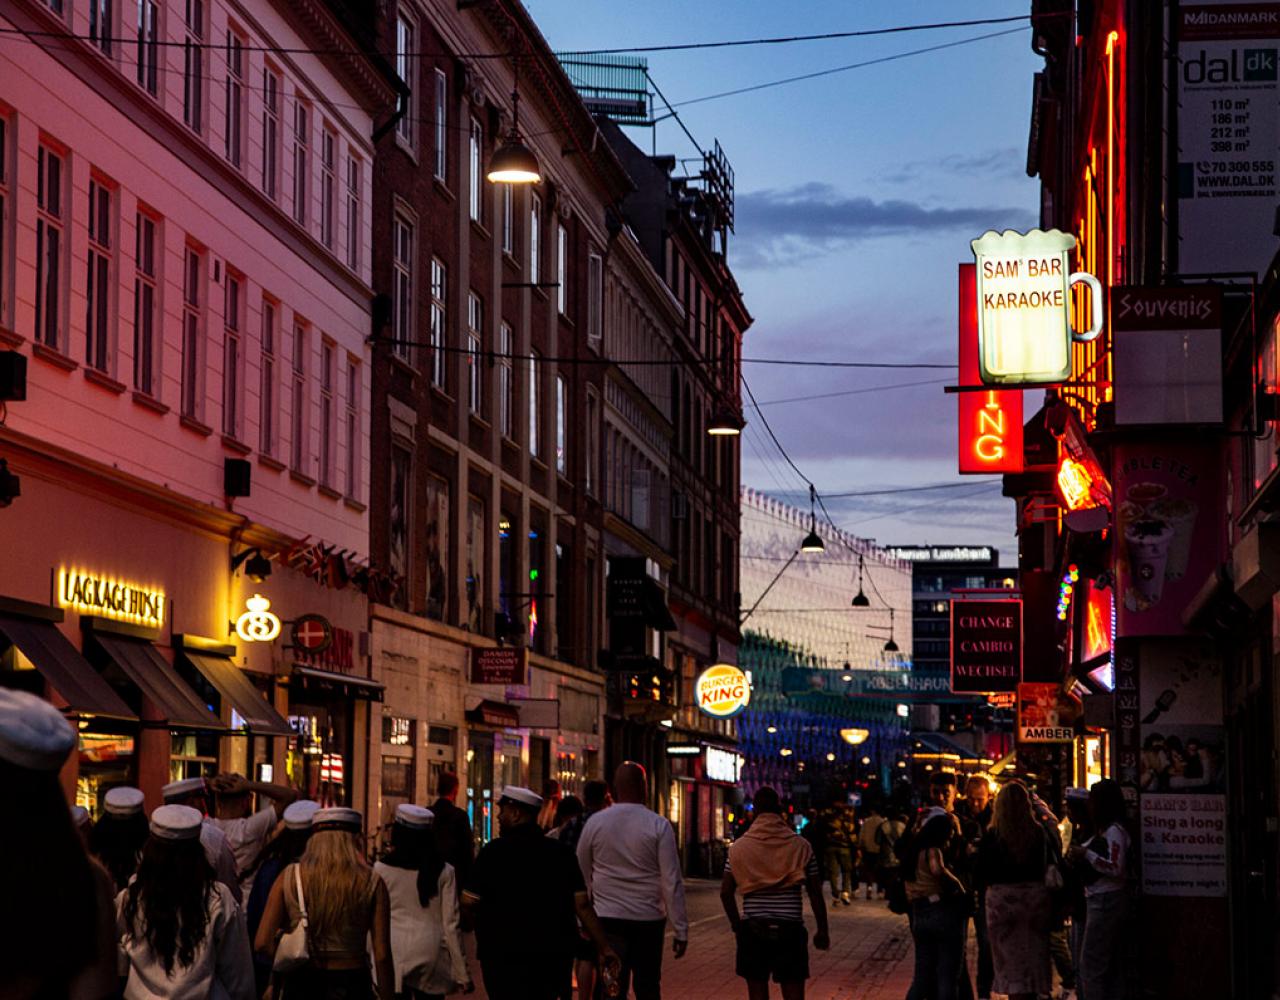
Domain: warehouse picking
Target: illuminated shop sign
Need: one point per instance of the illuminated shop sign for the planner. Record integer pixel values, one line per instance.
(723, 765)
(1024, 306)
(990, 423)
(258, 623)
(92, 593)
(986, 646)
(959, 553)
(722, 690)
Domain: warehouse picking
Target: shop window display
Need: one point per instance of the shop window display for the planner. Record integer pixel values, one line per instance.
(193, 755)
(318, 759)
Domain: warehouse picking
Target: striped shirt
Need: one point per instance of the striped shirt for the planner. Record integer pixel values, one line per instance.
(783, 903)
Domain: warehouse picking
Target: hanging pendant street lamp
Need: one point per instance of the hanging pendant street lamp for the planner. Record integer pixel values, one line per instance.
(860, 599)
(812, 541)
(891, 646)
(513, 162)
(725, 423)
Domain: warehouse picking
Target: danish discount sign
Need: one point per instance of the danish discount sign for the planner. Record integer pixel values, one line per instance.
(722, 690)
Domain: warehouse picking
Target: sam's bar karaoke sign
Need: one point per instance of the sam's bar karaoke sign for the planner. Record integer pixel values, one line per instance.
(1024, 285)
(986, 646)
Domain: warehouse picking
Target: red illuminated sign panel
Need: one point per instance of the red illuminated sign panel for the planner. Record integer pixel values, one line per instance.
(991, 421)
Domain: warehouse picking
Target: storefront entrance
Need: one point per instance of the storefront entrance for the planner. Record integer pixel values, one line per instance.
(318, 762)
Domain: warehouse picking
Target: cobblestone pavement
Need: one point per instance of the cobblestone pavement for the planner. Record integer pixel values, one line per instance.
(869, 958)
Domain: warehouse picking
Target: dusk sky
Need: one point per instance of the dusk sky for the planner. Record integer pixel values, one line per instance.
(857, 195)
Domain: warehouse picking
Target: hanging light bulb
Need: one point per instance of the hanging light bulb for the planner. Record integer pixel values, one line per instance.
(860, 599)
(513, 162)
(812, 541)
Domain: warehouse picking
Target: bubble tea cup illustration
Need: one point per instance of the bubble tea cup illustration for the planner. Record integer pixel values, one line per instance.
(1147, 543)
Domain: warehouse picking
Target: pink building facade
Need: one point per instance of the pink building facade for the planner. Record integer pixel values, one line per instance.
(185, 251)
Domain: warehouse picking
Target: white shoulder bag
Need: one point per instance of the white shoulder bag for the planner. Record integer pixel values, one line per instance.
(292, 952)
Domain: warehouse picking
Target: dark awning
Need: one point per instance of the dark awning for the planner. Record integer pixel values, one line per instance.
(173, 697)
(61, 664)
(354, 687)
(495, 713)
(237, 689)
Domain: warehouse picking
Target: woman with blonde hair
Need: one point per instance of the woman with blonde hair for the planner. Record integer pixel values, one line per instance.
(1013, 866)
(346, 905)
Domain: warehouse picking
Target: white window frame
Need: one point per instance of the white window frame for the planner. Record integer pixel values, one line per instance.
(102, 25)
(192, 331)
(193, 66)
(475, 350)
(328, 410)
(272, 96)
(535, 402)
(301, 159)
(442, 127)
(353, 211)
(562, 428)
(506, 384)
(595, 298)
(298, 410)
(535, 238)
(404, 256)
(51, 246)
(508, 219)
(328, 185)
(148, 49)
(267, 400)
(233, 355)
(562, 269)
(100, 276)
(352, 402)
(147, 336)
(439, 324)
(475, 173)
(406, 33)
(234, 99)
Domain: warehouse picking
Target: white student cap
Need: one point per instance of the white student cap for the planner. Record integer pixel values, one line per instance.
(79, 816)
(123, 800)
(337, 818)
(174, 822)
(33, 734)
(521, 797)
(298, 815)
(414, 817)
(183, 788)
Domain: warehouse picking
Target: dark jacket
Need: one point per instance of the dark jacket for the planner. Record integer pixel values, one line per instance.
(454, 838)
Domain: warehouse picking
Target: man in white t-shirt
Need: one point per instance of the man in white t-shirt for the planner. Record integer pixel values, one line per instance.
(247, 831)
(629, 859)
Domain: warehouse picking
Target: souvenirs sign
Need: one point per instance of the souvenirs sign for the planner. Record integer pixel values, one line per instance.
(1024, 306)
(986, 646)
(499, 665)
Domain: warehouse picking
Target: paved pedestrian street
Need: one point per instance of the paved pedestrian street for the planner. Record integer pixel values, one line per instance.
(869, 958)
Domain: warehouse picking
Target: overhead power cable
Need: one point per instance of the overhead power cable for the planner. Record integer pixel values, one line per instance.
(124, 40)
(891, 490)
(852, 392)
(843, 69)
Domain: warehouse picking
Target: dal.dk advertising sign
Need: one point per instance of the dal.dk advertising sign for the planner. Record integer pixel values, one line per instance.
(986, 646)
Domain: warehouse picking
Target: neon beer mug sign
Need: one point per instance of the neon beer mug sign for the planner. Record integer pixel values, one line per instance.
(1024, 306)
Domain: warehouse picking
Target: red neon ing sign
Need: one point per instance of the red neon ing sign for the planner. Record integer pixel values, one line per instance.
(990, 422)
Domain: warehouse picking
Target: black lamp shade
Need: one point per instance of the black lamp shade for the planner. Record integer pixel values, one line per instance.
(812, 543)
(860, 600)
(513, 163)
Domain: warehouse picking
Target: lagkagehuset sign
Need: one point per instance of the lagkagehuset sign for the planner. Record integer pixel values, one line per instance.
(100, 594)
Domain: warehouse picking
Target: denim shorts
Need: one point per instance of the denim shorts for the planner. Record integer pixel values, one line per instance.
(773, 947)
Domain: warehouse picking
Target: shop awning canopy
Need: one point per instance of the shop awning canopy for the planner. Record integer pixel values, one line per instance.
(495, 713)
(935, 744)
(60, 663)
(238, 690)
(172, 697)
(354, 687)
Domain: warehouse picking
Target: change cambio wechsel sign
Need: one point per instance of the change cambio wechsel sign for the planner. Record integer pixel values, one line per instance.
(1024, 306)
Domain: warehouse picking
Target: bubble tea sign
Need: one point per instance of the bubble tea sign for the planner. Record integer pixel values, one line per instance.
(1024, 306)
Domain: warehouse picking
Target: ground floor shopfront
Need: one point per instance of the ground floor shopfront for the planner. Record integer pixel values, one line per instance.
(512, 717)
(119, 603)
(704, 802)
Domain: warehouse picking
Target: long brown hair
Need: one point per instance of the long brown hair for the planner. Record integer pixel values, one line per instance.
(1015, 822)
(167, 904)
(336, 880)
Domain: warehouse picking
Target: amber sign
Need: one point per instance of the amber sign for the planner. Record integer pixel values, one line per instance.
(986, 646)
(500, 665)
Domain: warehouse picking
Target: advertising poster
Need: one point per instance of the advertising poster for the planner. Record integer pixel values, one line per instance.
(986, 646)
(1228, 122)
(1046, 714)
(1182, 770)
(1168, 531)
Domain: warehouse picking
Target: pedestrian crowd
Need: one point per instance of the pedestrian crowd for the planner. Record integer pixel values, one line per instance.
(206, 897)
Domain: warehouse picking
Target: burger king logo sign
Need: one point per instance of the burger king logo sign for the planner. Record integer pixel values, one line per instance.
(722, 690)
